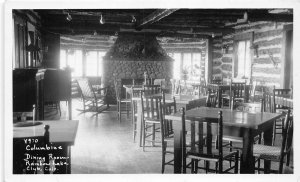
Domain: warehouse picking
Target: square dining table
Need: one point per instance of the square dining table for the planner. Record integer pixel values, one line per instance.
(236, 123)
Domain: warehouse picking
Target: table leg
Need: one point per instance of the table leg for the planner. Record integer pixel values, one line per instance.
(70, 108)
(177, 147)
(139, 128)
(247, 159)
(268, 137)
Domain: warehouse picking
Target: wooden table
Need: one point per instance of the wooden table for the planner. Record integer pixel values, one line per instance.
(236, 123)
(62, 132)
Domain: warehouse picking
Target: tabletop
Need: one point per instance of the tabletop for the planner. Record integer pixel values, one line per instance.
(61, 131)
(230, 118)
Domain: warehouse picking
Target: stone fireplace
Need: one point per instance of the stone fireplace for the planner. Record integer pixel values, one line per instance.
(130, 57)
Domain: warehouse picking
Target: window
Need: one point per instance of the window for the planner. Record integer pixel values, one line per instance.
(177, 62)
(74, 59)
(187, 64)
(91, 63)
(243, 67)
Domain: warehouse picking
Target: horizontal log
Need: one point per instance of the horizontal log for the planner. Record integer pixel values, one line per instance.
(265, 43)
(226, 67)
(217, 63)
(72, 46)
(266, 70)
(217, 71)
(265, 60)
(269, 33)
(226, 59)
(186, 50)
(267, 51)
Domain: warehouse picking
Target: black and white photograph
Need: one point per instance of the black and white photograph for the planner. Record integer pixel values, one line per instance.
(158, 90)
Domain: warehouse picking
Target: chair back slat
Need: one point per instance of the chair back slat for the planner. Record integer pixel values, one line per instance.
(279, 95)
(238, 89)
(151, 89)
(268, 102)
(211, 100)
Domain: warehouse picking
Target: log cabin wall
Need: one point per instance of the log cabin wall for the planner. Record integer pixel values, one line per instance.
(268, 36)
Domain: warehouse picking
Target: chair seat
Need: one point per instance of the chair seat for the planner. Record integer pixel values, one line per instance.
(151, 120)
(232, 138)
(266, 152)
(195, 154)
(124, 100)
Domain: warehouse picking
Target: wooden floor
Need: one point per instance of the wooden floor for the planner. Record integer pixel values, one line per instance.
(103, 145)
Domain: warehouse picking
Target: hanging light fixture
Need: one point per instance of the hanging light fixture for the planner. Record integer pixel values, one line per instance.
(133, 19)
(69, 17)
(101, 20)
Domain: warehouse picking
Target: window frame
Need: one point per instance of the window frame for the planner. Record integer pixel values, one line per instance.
(237, 39)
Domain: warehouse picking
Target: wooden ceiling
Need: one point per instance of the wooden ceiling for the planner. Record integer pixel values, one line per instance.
(189, 23)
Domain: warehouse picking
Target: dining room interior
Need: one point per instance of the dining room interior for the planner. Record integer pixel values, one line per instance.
(152, 91)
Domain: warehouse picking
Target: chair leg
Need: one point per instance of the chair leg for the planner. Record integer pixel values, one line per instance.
(58, 104)
(288, 158)
(153, 134)
(236, 167)
(119, 111)
(83, 105)
(230, 150)
(144, 136)
(163, 159)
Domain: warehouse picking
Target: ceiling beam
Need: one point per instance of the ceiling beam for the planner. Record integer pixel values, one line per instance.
(155, 16)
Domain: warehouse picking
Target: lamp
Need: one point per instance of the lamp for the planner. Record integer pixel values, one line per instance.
(102, 21)
(69, 17)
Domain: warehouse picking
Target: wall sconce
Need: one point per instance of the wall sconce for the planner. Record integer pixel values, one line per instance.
(255, 49)
(225, 49)
(101, 20)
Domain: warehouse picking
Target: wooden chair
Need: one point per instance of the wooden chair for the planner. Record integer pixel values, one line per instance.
(91, 98)
(135, 93)
(279, 124)
(161, 82)
(151, 118)
(206, 152)
(217, 81)
(151, 89)
(277, 153)
(167, 131)
(121, 101)
(19, 151)
(169, 108)
(176, 87)
(237, 93)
